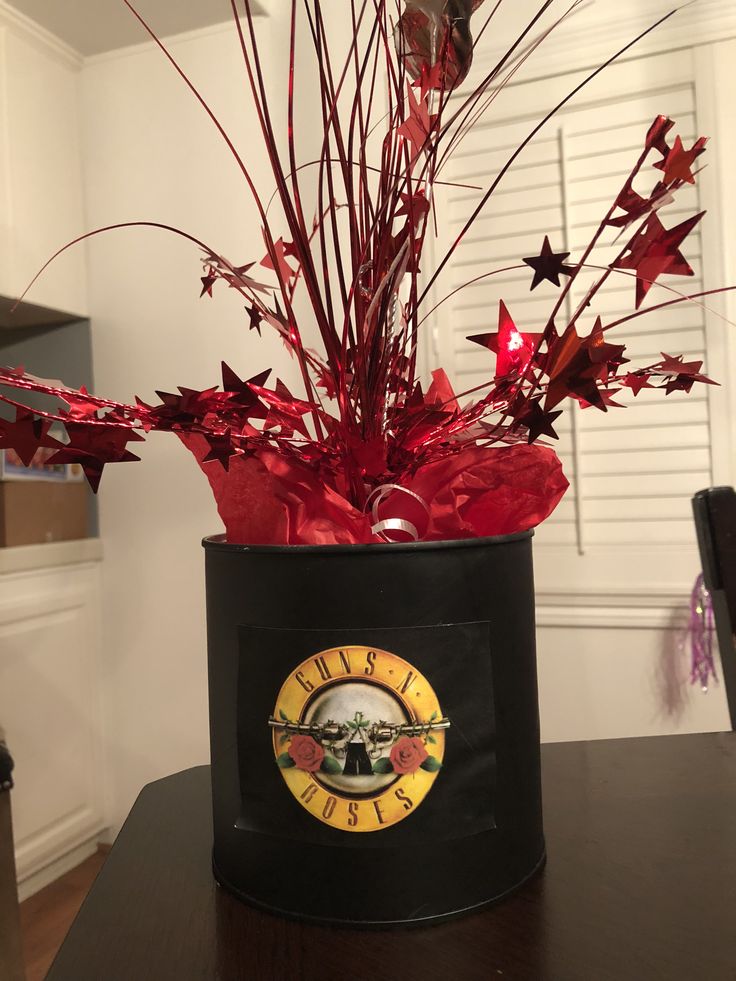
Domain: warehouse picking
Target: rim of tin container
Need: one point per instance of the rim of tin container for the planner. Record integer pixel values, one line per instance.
(217, 543)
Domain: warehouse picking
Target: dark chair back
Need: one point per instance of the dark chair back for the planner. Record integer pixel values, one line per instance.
(715, 522)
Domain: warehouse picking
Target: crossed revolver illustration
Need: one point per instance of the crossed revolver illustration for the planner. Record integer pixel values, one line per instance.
(358, 740)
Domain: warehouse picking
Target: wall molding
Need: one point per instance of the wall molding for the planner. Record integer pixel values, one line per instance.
(614, 607)
(43, 846)
(31, 609)
(602, 595)
(38, 36)
(612, 617)
(30, 558)
(41, 874)
(130, 50)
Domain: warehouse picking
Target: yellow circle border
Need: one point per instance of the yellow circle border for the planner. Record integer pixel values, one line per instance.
(402, 797)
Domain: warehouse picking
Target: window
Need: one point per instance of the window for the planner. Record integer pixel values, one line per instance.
(632, 472)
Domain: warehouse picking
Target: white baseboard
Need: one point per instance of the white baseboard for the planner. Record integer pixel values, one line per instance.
(54, 870)
(107, 836)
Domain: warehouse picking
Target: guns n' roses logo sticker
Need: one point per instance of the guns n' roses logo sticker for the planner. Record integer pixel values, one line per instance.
(359, 736)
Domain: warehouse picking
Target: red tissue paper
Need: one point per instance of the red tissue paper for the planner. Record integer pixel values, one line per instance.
(477, 492)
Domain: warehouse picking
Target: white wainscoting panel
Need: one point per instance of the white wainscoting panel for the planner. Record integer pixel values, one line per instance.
(50, 709)
(613, 665)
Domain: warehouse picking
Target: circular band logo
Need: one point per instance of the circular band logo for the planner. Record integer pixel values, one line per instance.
(359, 736)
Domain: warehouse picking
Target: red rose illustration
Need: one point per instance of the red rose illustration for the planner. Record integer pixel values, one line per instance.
(408, 754)
(306, 753)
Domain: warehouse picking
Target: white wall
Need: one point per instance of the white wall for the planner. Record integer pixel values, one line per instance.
(40, 169)
(151, 153)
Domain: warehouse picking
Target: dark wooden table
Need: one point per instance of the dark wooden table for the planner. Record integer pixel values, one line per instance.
(640, 885)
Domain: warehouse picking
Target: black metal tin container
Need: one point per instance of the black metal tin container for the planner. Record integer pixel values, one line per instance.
(374, 727)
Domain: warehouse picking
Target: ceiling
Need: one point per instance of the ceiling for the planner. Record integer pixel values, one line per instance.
(94, 26)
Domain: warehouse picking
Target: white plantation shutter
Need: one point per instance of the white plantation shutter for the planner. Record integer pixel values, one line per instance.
(632, 471)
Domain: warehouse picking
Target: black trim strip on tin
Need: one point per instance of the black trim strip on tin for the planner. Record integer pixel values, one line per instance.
(218, 543)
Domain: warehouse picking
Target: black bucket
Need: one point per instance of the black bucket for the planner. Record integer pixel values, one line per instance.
(374, 727)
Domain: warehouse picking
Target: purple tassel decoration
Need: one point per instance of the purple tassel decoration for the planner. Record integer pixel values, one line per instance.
(702, 632)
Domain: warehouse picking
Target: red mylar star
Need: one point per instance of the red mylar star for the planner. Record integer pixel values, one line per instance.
(677, 164)
(548, 265)
(655, 139)
(417, 126)
(571, 370)
(326, 382)
(94, 446)
(144, 414)
(681, 383)
(169, 412)
(198, 404)
(236, 276)
(242, 393)
(208, 281)
(26, 435)
(635, 382)
(277, 320)
(414, 205)
(635, 206)
(537, 421)
(290, 249)
(221, 448)
(430, 79)
(285, 271)
(285, 411)
(255, 319)
(186, 407)
(415, 402)
(610, 355)
(654, 251)
(685, 373)
(513, 349)
(606, 395)
(674, 365)
(441, 393)
(81, 407)
(420, 417)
